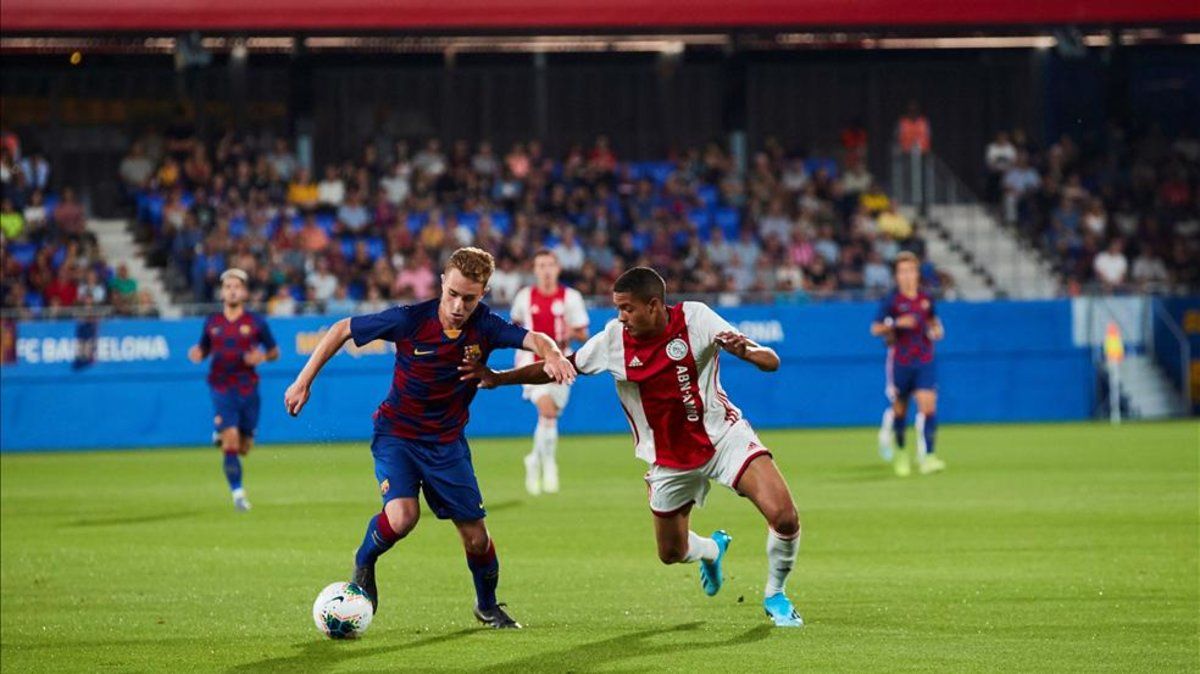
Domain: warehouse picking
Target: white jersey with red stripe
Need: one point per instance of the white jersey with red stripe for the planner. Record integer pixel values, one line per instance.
(554, 314)
(669, 385)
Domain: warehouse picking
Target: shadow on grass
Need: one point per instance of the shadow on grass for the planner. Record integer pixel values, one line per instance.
(598, 654)
(135, 519)
(504, 505)
(321, 654)
(877, 472)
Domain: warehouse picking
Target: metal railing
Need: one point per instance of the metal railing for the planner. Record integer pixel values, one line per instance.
(1156, 312)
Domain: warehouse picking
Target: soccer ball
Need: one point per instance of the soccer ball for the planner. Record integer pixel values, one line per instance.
(342, 611)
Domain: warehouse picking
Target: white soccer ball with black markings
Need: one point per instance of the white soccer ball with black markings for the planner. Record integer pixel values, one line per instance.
(342, 611)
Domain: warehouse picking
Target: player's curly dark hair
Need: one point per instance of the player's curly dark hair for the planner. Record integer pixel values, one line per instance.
(474, 263)
(643, 283)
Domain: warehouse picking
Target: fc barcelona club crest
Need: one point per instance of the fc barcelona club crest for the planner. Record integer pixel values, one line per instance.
(383, 487)
(472, 352)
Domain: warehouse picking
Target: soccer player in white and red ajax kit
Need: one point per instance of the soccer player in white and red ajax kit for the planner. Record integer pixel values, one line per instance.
(556, 310)
(665, 360)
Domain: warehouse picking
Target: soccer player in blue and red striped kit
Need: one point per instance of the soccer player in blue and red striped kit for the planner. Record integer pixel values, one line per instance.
(238, 340)
(418, 443)
(908, 322)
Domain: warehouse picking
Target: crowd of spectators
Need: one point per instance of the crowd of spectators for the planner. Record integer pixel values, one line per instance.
(376, 228)
(1119, 214)
(50, 261)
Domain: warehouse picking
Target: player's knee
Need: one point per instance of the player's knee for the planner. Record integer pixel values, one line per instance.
(671, 554)
(402, 521)
(785, 520)
(476, 542)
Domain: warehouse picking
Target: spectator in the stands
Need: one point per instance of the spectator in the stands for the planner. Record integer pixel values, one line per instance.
(12, 223)
(893, 223)
(92, 288)
(853, 137)
(506, 281)
(282, 303)
(430, 160)
(1111, 265)
(122, 288)
(570, 253)
(417, 279)
(321, 280)
(875, 200)
(331, 191)
(999, 157)
(912, 131)
(352, 216)
(283, 160)
(1018, 181)
(302, 192)
(1149, 273)
(876, 274)
(63, 290)
(36, 169)
(68, 215)
(136, 169)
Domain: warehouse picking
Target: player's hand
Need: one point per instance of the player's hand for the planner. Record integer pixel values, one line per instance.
(906, 322)
(734, 342)
(475, 370)
(295, 397)
(195, 354)
(560, 369)
(254, 357)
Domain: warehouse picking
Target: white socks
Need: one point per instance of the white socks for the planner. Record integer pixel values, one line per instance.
(922, 450)
(885, 428)
(781, 555)
(545, 440)
(700, 548)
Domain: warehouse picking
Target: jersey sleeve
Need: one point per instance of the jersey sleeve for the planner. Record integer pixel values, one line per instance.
(708, 323)
(932, 308)
(885, 308)
(592, 357)
(520, 307)
(577, 315)
(205, 339)
(265, 337)
(501, 333)
(390, 324)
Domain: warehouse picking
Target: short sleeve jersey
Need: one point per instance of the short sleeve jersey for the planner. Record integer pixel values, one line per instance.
(228, 342)
(427, 401)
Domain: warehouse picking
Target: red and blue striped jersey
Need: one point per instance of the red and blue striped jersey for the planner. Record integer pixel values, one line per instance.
(913, 345)
(427, 401)
(228, 342)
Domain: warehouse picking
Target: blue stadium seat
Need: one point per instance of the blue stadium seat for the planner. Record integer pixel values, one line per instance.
(50, 201)
(469, 220)
(237, 227)
(416, 221)
(59, 256)
(728, 219)
(150, 209)
(375, 248)
(357, 290)
(501, 221)
(23, 253)
(701, 218)
(661, 170)
(708, 194)
(326, 222)
(814, 164)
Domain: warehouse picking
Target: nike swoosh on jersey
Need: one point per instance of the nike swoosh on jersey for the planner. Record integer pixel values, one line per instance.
(418, 352)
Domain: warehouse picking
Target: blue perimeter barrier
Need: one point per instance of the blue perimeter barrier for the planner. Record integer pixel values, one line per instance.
(1000, 361)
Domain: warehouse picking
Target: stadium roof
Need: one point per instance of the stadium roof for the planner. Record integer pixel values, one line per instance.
(92, 16)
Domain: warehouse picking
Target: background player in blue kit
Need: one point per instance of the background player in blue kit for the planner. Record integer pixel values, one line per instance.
(908, 322)
(418, 443)
(237, 340)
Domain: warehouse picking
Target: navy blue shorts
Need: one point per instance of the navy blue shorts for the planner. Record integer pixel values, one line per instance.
(234, 410)
(443, 471)
(903, 380)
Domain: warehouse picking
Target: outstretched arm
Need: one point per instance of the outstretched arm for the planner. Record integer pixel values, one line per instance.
(533, 373)
(554, 363)
(763, 357)
(332, 342)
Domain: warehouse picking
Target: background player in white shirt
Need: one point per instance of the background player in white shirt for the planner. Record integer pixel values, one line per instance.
(665, 360)
(556, 310)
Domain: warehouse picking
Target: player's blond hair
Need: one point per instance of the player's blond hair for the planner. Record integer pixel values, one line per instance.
(474, 263)
(906, 256)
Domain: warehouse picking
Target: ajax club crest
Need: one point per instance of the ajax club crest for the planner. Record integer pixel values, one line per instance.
(677, 349)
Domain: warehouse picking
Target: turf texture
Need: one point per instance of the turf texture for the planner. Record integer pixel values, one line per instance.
(1043, 548)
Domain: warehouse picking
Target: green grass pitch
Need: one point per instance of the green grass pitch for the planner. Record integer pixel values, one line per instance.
(1043, 547)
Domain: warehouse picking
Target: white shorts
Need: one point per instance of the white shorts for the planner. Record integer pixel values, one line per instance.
(672, 489)
(559, 393)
